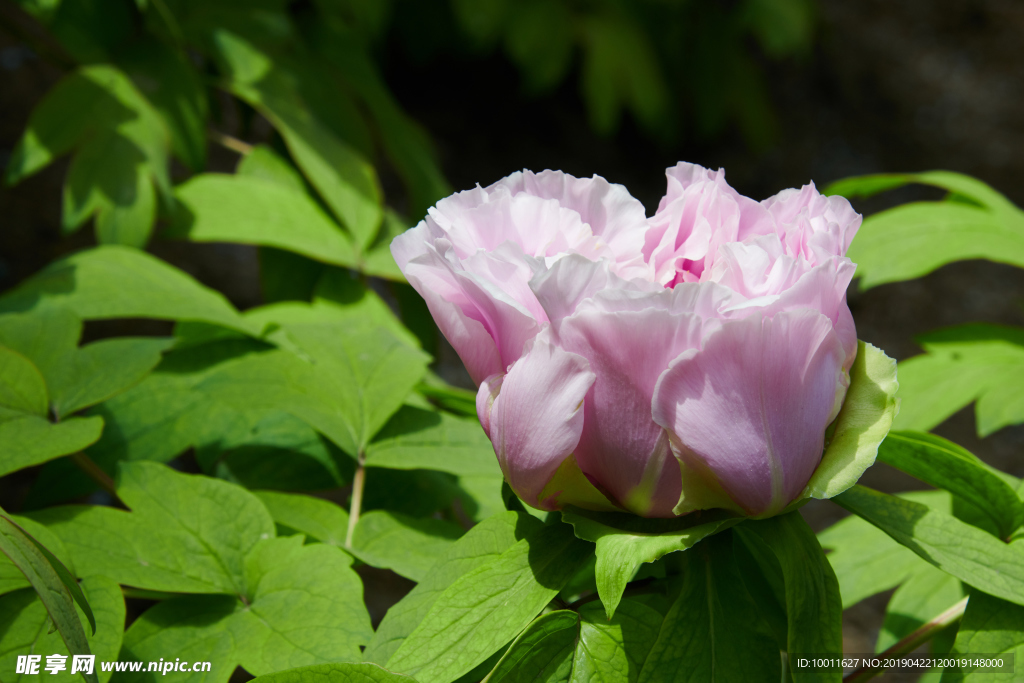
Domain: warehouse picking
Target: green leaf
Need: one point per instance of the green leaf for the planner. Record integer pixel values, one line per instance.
(990, 626)
(66, 577)
(11, 578)
(109, 177)
(925, 594)
(46, 582)
(30, 440)
(945, 465)
(423, 439)
(76, 377)
(614, 649)
(490, 605)
(406, 144)
(194, 628)
(22, 387)
(164, 414)
(305, 607)
(960, 365)
(337, 673)
(248, 210)
(342, 177)
(813, 603)
(403, 544)
(122, 156)
(357, 379)
(865, 418)
(712, 630)
(255, 458)
(90, 100)
(968, 553)
(317, 518)
(211, 524)
(625, 541)
(118, 282)
(480, 546)
(865, 560)
(914, 239)
(542, 653)
(378, 260)
(174, 87)
(263, 163)
(26, 628)
(101, 370)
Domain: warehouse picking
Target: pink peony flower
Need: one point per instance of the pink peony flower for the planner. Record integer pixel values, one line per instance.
(688, 361)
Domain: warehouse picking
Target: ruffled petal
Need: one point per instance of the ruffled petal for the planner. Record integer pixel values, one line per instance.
(754, 403)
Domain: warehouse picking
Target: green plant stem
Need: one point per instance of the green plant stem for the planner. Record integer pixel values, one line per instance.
(95, 472)
(230, 142)
(911, 642)
(358, 483)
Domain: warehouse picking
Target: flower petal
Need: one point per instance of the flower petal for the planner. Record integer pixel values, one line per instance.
(535, 418)
(754, 403)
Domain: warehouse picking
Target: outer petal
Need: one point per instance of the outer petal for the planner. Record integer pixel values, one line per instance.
(621, 448)
(534, 416)
(486, 326)
(753, 405)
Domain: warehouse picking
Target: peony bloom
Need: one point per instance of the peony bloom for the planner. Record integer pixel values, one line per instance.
(689, 361)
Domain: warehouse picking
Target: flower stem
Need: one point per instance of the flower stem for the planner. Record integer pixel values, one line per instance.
(87, 465)
(911, 642)
(230, 142)
(358, 483)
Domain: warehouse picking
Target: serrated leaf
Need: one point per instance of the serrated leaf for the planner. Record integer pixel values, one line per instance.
(968, 553)
(975, 362)
(990, 627)
(247, 210)
(481, 545)
(119, 282)
(711, 631)
(542, 653)
(813, 603)
(403, 544)
(945, 465)
(625, 541)
(47, 584)
(490, 605)
(211, 524)
(25, 626)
